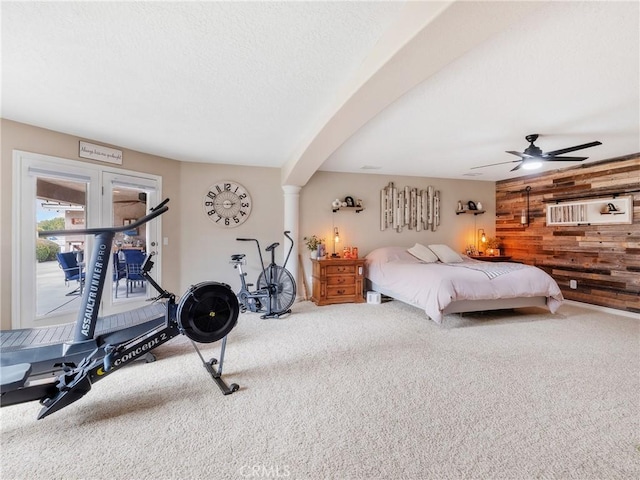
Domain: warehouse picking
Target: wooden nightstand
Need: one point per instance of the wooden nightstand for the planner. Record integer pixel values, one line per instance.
(491, 258)
(338, 281)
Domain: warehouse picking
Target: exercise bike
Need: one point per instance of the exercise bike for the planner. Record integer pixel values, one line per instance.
(275, 288)
(58, 373)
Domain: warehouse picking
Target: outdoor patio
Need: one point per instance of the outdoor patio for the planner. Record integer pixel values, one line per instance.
(54, 296)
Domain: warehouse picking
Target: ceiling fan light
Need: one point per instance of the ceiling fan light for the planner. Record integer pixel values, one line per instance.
(532, 165)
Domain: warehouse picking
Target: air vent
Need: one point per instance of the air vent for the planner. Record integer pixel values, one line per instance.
(370, 167)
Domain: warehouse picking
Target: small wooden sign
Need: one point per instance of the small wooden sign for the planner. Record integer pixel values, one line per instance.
(100, 153)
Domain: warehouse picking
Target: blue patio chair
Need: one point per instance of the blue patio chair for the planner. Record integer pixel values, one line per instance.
(72, 271)
(133, 268)
(119, 270)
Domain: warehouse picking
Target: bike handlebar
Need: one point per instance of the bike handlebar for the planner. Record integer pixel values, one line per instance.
(286, 234)
(155, 212)
(160, 205)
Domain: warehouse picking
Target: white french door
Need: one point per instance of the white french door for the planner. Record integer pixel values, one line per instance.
(50, 191)
(129, 198)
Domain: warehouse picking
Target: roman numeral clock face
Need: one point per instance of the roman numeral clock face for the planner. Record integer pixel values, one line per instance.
(227, 204)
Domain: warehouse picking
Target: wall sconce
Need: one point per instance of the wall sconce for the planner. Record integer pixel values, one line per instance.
(482, 238)
(336, 239)
(524, 218)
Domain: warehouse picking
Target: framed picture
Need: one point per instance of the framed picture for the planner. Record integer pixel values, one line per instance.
(472, 205)
(350, 202)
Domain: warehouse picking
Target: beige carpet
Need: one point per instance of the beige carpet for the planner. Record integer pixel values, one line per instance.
(359, 392)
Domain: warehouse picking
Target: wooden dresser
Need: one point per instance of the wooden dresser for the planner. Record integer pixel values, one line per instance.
(338, 281)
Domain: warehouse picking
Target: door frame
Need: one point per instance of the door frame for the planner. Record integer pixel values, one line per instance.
(150, 184)
(98, 210)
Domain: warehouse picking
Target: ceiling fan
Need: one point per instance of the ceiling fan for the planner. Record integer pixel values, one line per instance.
(533, 156)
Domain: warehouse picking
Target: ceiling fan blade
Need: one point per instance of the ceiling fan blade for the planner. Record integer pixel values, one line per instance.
(492, 164)
(517, 167)
(518, 154)
(565, 159)
(572, 149)
(522, 155)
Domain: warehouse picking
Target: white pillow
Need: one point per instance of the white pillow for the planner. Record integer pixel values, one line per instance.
(446, 254)
(423, 253)
(388, 254)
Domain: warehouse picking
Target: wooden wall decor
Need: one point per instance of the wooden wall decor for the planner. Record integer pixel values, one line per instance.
(409, 207)
(601, 211)
(604, 260)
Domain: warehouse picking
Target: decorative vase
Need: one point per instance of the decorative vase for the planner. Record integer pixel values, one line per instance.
(313, 254)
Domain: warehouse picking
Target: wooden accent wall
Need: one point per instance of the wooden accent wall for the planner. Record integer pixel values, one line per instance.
(604, 259)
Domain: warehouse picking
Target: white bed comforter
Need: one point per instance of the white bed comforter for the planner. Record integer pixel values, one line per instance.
(433, 286)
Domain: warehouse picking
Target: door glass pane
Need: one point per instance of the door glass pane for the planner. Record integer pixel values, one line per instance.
(130, 247)
(60, 205)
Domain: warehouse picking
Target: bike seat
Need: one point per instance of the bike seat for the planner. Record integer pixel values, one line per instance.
(271, 247)
(14, 376)
(237, 257)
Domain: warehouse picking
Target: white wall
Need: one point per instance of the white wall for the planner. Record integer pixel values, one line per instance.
(205, 247)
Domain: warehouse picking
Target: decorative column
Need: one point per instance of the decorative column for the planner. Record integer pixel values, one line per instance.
(292, 223)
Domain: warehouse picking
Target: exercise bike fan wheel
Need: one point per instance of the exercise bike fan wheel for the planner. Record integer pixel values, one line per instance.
(208, 311)
(284, 288)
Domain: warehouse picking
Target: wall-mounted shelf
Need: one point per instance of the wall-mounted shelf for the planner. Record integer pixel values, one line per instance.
(350, 209)
(475, 212)
(609, 210)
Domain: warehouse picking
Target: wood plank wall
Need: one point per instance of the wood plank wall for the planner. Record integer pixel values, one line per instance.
(604, 259)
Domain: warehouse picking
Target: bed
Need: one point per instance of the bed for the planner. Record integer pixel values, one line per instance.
(439, 281)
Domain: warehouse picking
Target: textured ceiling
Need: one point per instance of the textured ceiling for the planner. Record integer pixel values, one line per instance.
(277, 83)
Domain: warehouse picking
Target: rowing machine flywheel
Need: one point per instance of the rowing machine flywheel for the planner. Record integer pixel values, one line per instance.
(208, 311)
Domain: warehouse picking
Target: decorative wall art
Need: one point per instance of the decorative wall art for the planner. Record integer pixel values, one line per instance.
(409, 207)
(602, 211)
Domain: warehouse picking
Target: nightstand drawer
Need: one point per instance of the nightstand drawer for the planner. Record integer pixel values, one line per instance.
(341, 280)
(341, 291)
(341, 269)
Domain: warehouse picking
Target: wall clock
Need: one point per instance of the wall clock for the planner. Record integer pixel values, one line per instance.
(227, 204)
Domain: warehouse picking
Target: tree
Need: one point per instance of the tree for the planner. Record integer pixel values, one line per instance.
(56, 223)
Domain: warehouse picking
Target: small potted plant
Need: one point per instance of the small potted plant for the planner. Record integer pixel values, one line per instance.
(312, 244)
(493, 246)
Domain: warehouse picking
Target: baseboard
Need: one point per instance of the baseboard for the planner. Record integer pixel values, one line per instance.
(612, 311)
